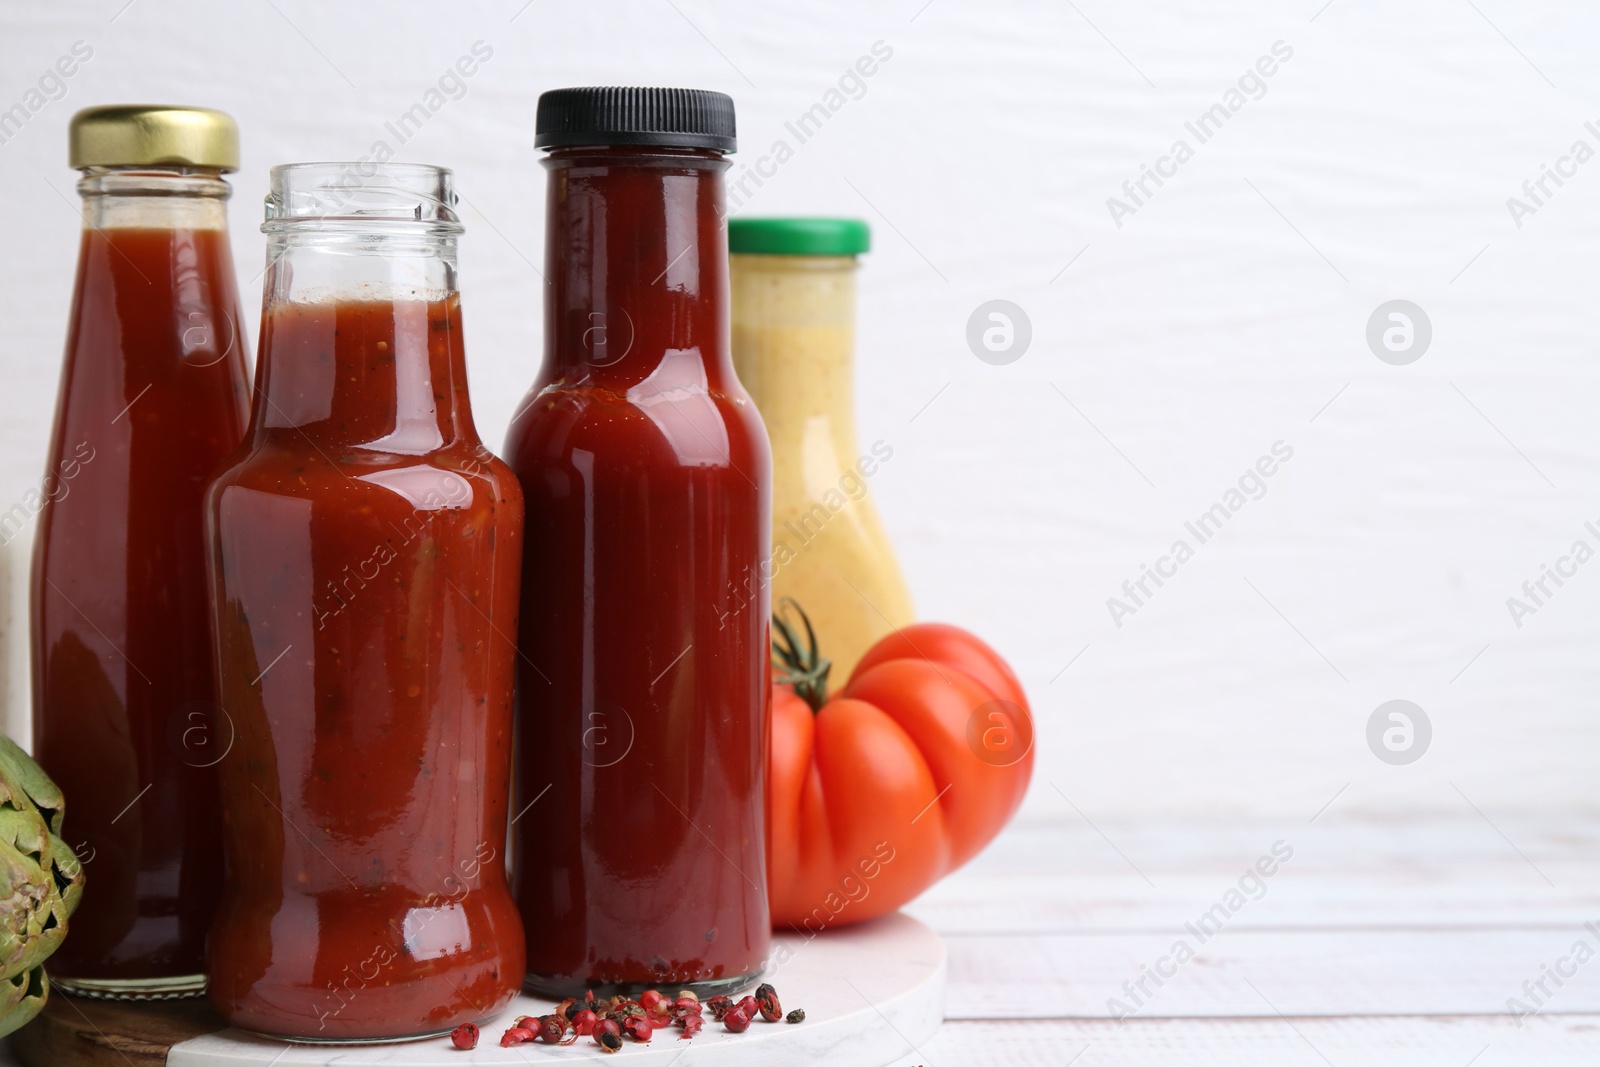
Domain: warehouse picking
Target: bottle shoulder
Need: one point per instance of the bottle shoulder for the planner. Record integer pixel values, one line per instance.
(447, 479)
(685, 424)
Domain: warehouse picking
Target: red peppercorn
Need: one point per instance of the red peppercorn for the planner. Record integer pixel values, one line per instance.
(650, 998)
(767, 998)
(718, 1006)
(686, 1006)
(515, 1036)
(748, 1005)
(691, 1025)
(552, 1028)
(608, 1035)
(736, 1020)
(465, 1036)
(583, 1022)
(638, 1027)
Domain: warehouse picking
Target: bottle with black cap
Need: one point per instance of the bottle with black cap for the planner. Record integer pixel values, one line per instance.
(639, 854)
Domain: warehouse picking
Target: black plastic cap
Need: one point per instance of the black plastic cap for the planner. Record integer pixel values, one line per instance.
(613, 115)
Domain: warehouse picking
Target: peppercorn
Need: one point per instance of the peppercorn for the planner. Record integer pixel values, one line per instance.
(515, 1036)
(767, 1000)
(608, 1035)
(796, 1016)
(552, 1028)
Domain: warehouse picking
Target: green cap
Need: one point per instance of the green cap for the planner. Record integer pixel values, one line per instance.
(798, 237)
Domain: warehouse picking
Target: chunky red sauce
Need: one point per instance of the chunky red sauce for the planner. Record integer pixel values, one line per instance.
(153, 398)
(366, 555)
(643, 681)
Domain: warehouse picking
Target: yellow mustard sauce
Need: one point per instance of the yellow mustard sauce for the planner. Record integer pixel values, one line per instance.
(793, 347)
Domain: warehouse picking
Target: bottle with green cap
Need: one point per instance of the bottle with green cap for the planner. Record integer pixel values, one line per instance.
(793, 285)
(153, 398)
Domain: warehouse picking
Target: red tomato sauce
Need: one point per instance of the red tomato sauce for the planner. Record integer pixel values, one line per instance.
(639, 856)
(366, 554)
(153, 399)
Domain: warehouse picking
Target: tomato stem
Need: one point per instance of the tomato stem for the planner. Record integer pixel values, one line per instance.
(800, 666)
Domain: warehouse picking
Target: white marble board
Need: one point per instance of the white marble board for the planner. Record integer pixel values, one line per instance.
(872, 994)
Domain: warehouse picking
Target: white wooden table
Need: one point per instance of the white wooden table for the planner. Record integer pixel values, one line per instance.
(1379, 942)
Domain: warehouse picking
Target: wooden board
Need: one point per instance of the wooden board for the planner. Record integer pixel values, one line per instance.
(78, 1032)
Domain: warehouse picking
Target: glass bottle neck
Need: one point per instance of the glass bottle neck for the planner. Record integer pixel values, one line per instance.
(794, 344)
(155, 272)
(155, 198)
(636, 267)
(361, 344)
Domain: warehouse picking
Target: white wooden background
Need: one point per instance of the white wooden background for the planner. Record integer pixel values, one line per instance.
(1223, 316)
(1226, 314)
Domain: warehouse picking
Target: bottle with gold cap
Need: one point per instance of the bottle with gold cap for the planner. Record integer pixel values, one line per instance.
(793, 284)
(153, 398)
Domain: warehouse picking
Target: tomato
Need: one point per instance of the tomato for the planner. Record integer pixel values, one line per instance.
(895, 782)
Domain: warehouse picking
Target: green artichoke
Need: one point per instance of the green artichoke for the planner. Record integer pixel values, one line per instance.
(41, 882)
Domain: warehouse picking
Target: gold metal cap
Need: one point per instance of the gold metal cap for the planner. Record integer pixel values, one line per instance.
(131, 135)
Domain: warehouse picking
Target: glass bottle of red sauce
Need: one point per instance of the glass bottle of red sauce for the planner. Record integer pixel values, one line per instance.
(364, 557)
(639, 855)
(153, 399)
